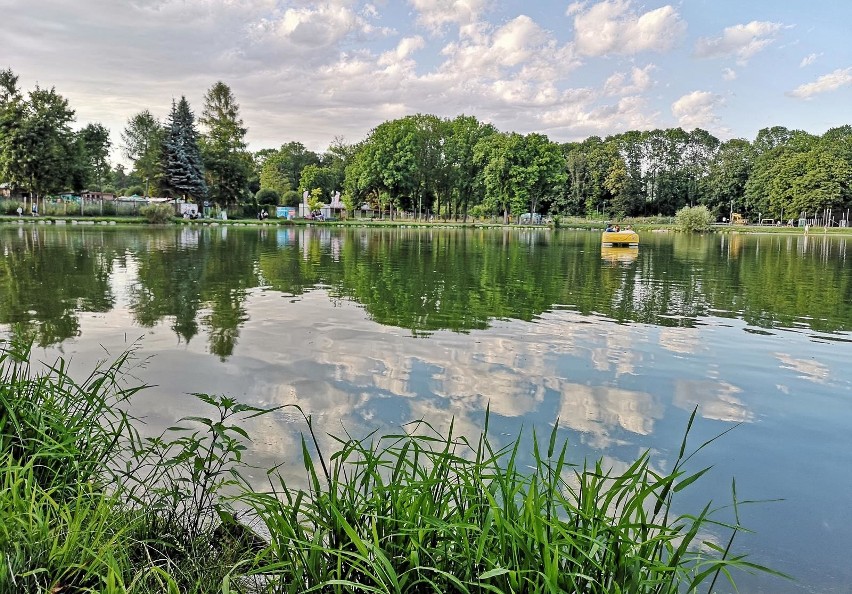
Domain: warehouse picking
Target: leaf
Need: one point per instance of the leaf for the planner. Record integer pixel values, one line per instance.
(493, 573)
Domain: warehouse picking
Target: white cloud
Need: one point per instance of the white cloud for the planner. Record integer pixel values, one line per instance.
(581, 114)
(697, 110)
(824, 84)
(613, 27)
(518, 49)
(639, 81)
(400, 55)
(742, 41)
(436, 14)
(729, 74)
(808, 60)
(319, 25)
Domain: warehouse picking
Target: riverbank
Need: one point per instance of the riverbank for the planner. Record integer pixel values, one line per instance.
(91, 506)
(565, 223)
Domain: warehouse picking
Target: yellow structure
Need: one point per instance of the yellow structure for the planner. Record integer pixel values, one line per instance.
(737, 219)
(615, 238)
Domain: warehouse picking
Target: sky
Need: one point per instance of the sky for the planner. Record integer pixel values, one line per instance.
(314, 72)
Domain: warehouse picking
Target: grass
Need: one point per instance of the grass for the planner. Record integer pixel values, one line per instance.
(425, 512)
(89, 506)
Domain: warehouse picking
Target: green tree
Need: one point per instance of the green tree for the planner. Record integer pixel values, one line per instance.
(773, 147)
(464, 133)
(403, 157)
(808, 181)
(519, 172)
(289, 161)
(8, 86)
(701, 149)
(630, 197)
(838, 141)
(37, 147)
(729, 171)
(272, 178)
(121, 179)
(494, 154)
(596, 173)
(142, 141)
(361, 184)
(577, 170)
(314, 177)
(334, 160)
(12, 115)
(95, 145)
(182, 165)
(261, 156)
(227, 163)
(770, 138)
(542, 175)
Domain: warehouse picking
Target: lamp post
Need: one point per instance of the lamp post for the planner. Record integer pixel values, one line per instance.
(731, 218)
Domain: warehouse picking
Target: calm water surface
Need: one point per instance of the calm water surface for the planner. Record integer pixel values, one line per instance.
(368, 328)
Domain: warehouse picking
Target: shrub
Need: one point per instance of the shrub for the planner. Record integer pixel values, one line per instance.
(267, 196)
(158, 213)
(478, 211)
(134, 191)
(291, 198)
(694, 218)
(10, 207)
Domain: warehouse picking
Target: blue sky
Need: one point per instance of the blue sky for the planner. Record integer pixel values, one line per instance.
(313, 71)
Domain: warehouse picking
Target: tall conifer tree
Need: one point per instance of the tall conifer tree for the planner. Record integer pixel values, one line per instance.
(182, 166)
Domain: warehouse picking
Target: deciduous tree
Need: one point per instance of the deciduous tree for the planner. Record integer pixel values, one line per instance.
(37, 148)
(142, 141)
(227, 163)
(94, 144)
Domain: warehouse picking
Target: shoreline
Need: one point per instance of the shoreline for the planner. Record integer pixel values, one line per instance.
(572, 225)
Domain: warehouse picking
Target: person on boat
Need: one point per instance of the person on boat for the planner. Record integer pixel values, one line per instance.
(609, 228)
(617, 229)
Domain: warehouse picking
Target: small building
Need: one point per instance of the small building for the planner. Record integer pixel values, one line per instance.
(10, 193)
(92, 196)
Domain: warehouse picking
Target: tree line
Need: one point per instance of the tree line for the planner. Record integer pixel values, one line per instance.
(425, 165)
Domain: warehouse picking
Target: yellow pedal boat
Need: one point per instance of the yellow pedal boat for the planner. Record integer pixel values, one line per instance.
(620, 238)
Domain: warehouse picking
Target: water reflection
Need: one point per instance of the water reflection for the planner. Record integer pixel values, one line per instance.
(421, 280)
(619, 255)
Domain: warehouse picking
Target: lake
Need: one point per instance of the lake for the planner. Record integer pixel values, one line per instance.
(371, 328)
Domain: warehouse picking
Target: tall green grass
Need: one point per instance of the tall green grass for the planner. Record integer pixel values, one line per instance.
(63, 526)
(424, 512)
(87, 505)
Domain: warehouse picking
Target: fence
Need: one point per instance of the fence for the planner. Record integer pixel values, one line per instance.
(69, 208)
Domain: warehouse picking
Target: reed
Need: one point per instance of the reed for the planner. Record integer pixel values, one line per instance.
(424, 512)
